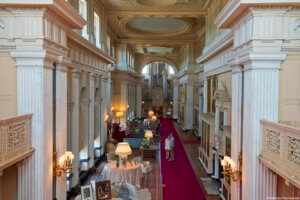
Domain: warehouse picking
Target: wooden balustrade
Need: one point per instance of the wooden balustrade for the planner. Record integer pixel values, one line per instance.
(281, 150)
(15, 140)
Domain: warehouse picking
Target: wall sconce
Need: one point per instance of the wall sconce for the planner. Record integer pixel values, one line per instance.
(171, 102)
(143, 102)
(229, 168)
(127, 106)
(106, 118)
(64, 163)
(112, 109)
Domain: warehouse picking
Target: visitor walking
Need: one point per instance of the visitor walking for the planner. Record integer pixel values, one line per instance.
(171, 144)
(167, 147)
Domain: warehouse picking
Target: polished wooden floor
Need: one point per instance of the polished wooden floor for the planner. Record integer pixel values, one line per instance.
(192, 153)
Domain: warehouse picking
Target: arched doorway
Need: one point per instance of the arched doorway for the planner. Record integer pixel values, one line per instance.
(157, 87)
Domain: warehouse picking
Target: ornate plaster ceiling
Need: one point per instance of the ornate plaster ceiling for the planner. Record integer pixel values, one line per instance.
(121, 4)
(156, 25)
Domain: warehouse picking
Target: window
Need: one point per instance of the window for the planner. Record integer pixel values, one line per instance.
(97, 29)
(145, 70)
(108, 44)
(171, 70)
(83, 13)
(211, 89)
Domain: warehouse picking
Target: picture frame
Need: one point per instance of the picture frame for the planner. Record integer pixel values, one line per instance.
(103, 190)
(86, 192)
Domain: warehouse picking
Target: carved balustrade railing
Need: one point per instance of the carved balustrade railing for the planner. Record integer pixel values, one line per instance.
(15, 140)
(281, 150)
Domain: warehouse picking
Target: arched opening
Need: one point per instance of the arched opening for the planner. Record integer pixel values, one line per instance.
(157, 87)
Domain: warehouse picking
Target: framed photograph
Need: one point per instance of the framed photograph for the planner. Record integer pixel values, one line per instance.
(86, 192)
(103, 190)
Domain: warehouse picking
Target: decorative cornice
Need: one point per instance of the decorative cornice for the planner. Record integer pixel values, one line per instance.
(235, 8)
(225, 42)
(72, 35)
(60, 7)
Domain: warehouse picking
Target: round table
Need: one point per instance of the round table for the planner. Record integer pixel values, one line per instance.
(131, 174)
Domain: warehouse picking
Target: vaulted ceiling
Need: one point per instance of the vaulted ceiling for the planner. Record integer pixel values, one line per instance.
(156, 27)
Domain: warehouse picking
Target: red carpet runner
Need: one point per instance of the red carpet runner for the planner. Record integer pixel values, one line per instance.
(178, 176)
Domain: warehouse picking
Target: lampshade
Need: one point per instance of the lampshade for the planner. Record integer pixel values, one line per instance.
(154, 117)
(148, 134)
(150, 113)
(123, 149)
(119, 114)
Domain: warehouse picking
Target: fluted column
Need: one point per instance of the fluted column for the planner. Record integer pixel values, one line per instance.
(35, 95)
(175, 101)
(261, 93)
(75, 126)
(104, 96)
(139, 100)
(124, 100)
(84, 127)
(61, 120)
(205, 96)
(91, 120)
(190, 106)
(236, 125)
(267, 186)
(97, 118)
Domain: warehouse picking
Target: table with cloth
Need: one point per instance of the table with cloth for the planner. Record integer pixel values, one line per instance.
(131, 174)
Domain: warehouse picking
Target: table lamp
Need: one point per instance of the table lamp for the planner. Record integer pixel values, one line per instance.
(123, 150)
(148, 134)
(119, 115)
(151, 113)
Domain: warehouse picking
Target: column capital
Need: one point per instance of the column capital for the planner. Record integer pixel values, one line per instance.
(34, 58)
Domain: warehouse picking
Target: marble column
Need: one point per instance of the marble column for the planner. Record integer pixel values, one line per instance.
(104, 92)
(189, 106)
(175, 101)
(124, 100)
(205, 96)
(261, 93)
(91, 120)
(61, 120)
(139, 100)
(84, 127)
(75, 126)
(97, 118)
(236, 126)
(200, 111)
(35, 95)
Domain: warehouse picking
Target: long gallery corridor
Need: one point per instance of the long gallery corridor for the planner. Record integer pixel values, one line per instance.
(95, 93)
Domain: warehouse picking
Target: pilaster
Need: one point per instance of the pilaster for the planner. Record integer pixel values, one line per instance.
(104, 92)
(124, 100)
(139, 100)
(35, 95)
(189, 106)
(91, 120)
(175, 100)
(75, 126)
(61, 105)
(261, 96)
(236, 125)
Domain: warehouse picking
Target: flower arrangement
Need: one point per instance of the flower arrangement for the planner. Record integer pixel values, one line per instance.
(145, 144)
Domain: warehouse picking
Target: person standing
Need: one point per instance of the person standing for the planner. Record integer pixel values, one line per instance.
(171, 144)
(167, 147)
